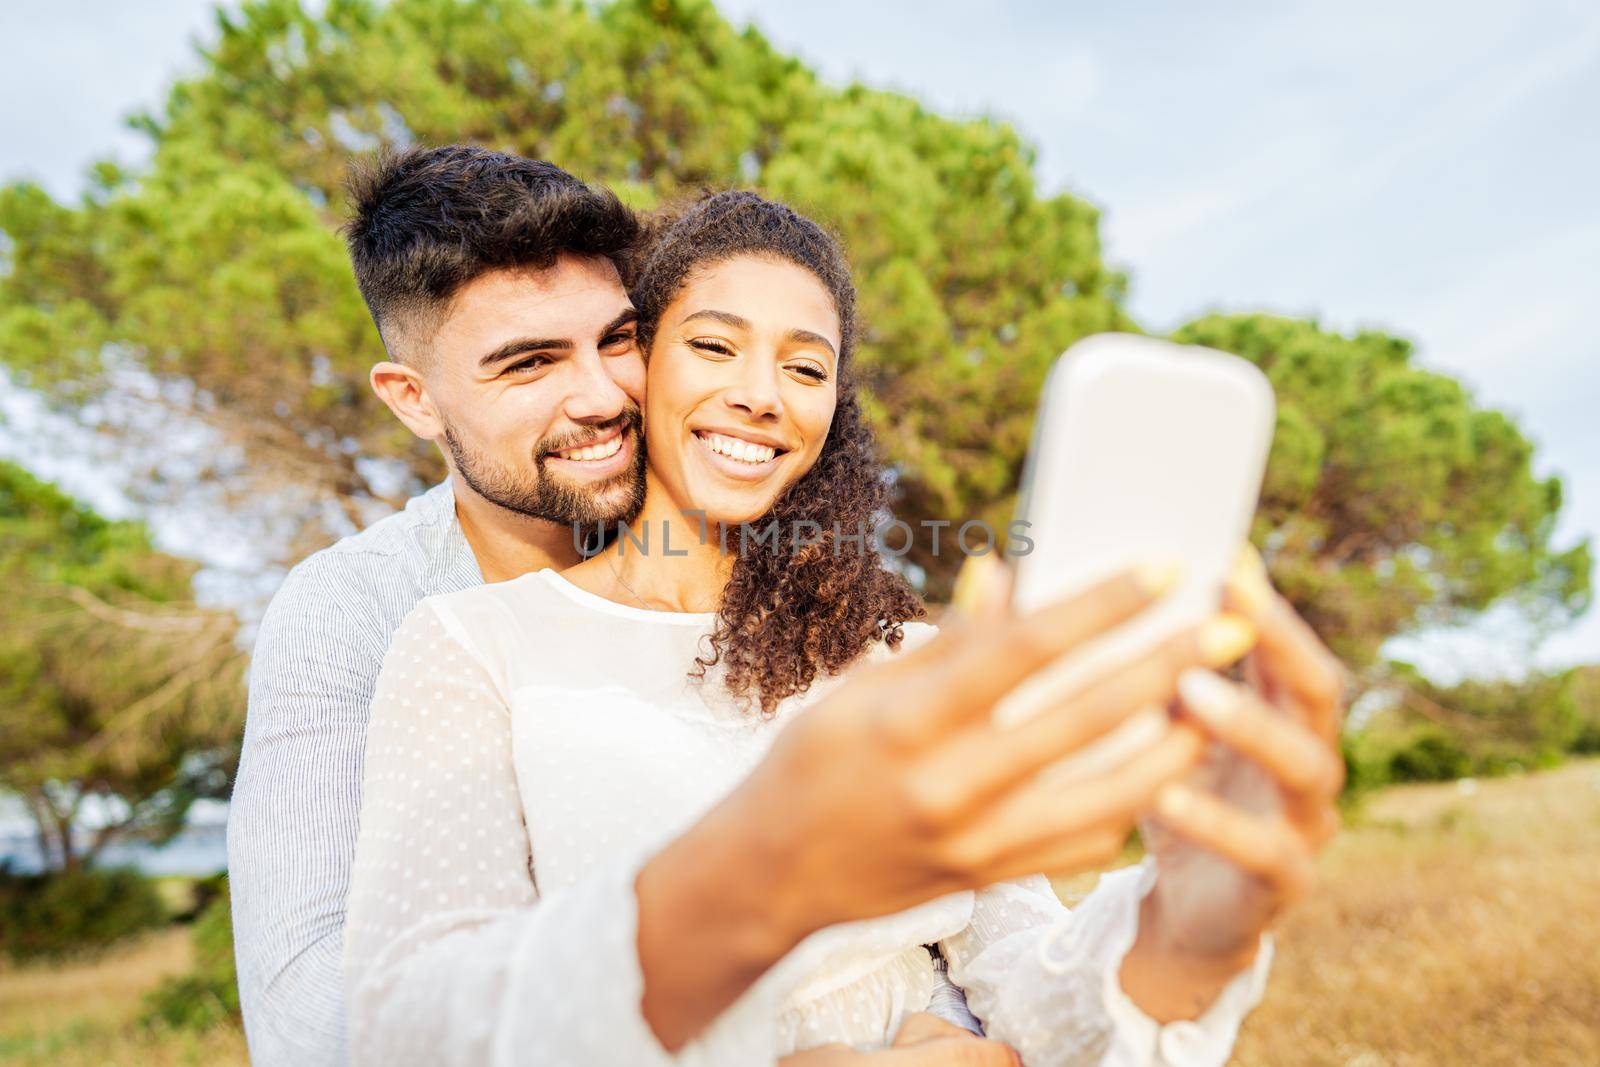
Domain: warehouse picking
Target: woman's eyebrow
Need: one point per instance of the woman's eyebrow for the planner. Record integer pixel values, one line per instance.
(727, 318)
(806, 337)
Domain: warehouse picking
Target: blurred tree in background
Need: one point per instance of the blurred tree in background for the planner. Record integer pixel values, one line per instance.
(1392, 500)
(117, 693)
(212, 281)
(216, 270)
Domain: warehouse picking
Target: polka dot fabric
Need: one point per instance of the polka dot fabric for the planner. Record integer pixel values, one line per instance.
(531, 745)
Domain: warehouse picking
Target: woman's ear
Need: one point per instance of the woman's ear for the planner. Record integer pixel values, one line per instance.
(406, 393)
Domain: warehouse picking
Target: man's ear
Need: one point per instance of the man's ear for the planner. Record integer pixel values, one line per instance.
(403, 389)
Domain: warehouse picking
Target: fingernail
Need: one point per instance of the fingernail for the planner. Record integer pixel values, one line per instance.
(974, 583)
(1174, 801)
(1211, 699)
(1248, 582)
(1158, 576)
(1225, 637)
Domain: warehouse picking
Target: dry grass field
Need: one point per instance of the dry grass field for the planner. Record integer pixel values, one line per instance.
(1455, 927)
(85, 1014)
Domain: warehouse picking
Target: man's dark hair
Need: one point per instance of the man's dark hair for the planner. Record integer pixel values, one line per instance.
(429, 220)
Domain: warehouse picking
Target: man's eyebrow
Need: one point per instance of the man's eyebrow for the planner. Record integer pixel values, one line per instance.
(622, 319)
(520, 345)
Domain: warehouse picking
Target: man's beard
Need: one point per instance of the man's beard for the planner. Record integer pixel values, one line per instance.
(541, 495)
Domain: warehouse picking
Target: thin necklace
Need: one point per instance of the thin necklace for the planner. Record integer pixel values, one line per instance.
(618, 576)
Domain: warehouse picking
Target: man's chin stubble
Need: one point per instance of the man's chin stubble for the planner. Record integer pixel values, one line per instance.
(552, 499)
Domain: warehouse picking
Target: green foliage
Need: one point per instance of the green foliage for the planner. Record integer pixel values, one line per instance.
(113, 685)
(60, 914)
(219, 265)
(1477, 728)
(209, 994)
(1393, 500)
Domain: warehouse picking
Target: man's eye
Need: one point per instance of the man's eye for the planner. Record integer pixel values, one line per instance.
(622, 337)
(528, 365)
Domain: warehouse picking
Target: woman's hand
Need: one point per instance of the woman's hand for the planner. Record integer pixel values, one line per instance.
(897, 788)
(924, 1040)
(1235, 844)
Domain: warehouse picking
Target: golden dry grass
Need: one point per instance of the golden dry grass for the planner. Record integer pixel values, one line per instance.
(85, 1014)
(1451, 929)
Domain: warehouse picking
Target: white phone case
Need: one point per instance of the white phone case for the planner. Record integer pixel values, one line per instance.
(1144, 450)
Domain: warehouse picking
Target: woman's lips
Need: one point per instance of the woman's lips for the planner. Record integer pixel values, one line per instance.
(749, 462)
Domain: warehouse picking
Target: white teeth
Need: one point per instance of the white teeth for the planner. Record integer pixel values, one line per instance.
(604, 450)
(734, 448)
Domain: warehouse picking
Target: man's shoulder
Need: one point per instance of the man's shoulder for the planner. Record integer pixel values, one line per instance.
(427, 524)
(374, 577)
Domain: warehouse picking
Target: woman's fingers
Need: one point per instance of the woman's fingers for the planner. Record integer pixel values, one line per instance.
(1298, 759)
(1289, 649)
(959, 676)
(1015, 831)
(984, 762)
(1091, 851)
(1267, 847)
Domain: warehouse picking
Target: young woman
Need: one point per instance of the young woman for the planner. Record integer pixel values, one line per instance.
(533, 740)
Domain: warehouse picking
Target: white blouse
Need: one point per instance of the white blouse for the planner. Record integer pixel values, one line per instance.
(533, 744)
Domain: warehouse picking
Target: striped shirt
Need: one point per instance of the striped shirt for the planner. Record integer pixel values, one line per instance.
(297, 798)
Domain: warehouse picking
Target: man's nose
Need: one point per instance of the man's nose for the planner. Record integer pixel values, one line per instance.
(595, 395)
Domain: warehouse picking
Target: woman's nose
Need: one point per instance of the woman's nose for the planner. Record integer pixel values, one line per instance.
(756, 392)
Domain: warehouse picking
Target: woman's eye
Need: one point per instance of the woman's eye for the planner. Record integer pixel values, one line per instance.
(810, 370)
(715, 347)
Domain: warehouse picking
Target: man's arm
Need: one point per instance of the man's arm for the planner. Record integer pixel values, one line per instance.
(292, 822)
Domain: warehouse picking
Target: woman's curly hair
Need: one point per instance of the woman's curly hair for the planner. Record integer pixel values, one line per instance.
(790, 611)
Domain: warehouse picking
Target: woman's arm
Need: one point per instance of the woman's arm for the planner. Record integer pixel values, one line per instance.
(451, 954)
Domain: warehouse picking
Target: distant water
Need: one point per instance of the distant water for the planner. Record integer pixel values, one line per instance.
(197, 851)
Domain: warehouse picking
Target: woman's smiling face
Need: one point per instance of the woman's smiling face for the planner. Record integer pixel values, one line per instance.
(742, 386)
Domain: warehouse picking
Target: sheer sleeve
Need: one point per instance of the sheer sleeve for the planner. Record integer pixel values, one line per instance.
(451, 954)
(1045, 979)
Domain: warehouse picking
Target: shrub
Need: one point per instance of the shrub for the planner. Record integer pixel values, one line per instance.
(68, 912)
(209, 994)
(1431, 756)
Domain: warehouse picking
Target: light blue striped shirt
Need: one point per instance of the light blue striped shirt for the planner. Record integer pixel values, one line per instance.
(297, 798)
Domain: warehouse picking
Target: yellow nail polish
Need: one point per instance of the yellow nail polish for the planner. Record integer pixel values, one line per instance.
(1225, 637)
(973, 583)
(1248, 583)
(1158, 576)
(1174, 800)
(1208, 697)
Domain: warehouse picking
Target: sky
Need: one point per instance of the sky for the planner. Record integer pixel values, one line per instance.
(1426, 168)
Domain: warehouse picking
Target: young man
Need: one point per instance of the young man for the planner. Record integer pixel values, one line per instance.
(494, 284)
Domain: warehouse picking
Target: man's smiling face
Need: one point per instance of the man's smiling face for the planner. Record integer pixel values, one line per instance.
(536, 381)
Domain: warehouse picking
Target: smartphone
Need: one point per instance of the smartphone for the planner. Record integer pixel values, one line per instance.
(1143, 450)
